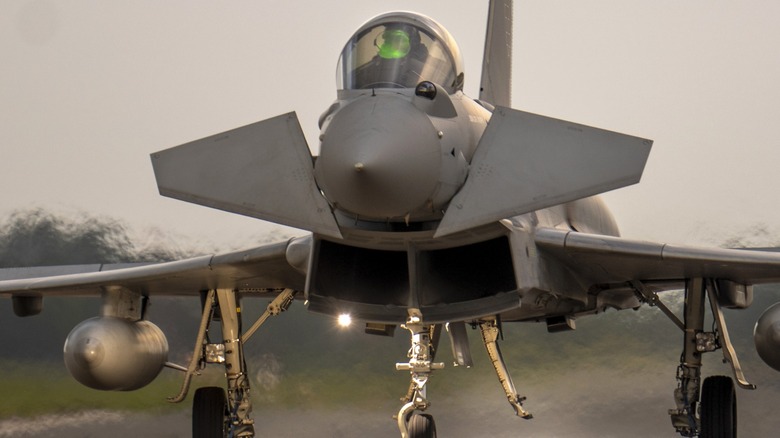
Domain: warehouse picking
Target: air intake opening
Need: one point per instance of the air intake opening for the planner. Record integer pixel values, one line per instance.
(379, 285)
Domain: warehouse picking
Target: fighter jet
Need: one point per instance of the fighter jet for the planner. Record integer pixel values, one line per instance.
(429, 210)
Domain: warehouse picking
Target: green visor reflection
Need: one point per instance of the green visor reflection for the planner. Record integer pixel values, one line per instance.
(395, 44)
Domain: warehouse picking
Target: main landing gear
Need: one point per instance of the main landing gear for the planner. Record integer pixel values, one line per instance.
(412, 422)
(216, 414)
(707, 410)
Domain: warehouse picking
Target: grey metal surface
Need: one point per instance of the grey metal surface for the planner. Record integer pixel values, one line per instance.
(263, 170)
(606, 259)
(251, 270)
(459, 340)
(46, 271)
(526, 162)
(496, 83)
(115, 354)
(380, 159)
(765, 336)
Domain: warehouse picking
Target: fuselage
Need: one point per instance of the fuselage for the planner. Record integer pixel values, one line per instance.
(396, 147)
(397, 144)
(391, 160)
(390, 156)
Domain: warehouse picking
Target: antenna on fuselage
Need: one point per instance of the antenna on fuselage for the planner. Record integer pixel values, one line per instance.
(496, 83)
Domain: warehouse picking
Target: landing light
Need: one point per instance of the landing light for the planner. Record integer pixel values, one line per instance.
(345, 320)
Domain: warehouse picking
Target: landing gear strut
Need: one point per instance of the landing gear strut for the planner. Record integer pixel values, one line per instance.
(708, 410)
(215, 414)
(490, 332)
(420, 366)
(414, 424)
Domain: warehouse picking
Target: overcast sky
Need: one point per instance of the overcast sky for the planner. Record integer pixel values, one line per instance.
(88, 89)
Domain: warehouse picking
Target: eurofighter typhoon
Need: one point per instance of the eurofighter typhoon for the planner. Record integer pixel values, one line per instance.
(428, 209)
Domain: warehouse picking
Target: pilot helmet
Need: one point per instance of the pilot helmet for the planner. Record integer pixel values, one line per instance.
(393, 44)
(396, 41)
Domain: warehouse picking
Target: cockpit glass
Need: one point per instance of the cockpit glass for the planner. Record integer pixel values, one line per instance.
(398, 54)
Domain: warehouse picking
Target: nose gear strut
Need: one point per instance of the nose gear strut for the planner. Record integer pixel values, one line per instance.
(420, 366)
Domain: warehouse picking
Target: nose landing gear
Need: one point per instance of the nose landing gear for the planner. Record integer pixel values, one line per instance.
(420, 366)
(411, 421)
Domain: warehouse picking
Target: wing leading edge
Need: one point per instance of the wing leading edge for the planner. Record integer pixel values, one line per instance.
(606, 259)
(265, 267)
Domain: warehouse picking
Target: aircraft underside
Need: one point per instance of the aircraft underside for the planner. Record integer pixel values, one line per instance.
(703, 407)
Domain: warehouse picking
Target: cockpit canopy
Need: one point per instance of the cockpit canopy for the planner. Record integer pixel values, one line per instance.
(400, 50)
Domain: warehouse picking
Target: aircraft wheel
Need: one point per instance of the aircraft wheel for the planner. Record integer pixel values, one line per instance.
(209, 409)
(422, 426)
(718, 408)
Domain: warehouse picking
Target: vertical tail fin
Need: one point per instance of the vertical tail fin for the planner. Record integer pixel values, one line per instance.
(496, 85)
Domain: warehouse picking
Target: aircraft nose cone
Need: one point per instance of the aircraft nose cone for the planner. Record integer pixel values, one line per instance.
(379, 159)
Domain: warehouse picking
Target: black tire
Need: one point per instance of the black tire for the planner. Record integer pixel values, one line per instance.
(422, 426)
(209, 408)
(718, 408)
